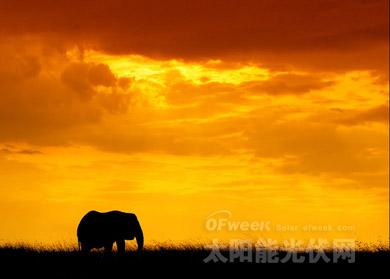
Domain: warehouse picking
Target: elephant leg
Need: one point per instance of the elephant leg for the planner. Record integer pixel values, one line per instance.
(108, 248)
(120, 245)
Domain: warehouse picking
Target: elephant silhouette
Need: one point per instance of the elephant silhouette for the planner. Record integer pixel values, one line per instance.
(102, 229)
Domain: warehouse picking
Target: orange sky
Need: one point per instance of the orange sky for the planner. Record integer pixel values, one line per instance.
(276, 112)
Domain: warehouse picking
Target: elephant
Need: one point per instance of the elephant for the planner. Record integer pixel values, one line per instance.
(102, 229)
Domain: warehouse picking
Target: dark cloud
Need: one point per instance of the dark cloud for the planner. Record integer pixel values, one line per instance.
(324, 33)
(43, 94)
(82, 77)
(318, 147)
(289, 84)
(352, 117)
(217, 94)
(20, 151)
(355, 117)
(15, 67)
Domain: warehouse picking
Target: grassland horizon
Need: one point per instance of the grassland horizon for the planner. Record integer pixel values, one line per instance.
(373, 247)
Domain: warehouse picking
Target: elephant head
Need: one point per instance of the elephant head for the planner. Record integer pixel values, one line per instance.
(97, 230)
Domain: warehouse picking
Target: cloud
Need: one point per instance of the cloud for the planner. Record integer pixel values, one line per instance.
(326, 34)
(301, 145)
(83, 77)
(295, 84)
(316, 148)
(45, 95)
(15, 67)
(222, 111)
(20, 151)
(218, 96)
(349, 117)
(101, 75)
(378, 114)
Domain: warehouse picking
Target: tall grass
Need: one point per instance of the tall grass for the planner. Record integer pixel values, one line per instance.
(67, 247)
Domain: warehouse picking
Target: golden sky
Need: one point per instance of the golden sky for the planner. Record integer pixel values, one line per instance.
(174, 110)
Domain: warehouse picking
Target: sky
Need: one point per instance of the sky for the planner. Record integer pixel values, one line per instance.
(182, 111)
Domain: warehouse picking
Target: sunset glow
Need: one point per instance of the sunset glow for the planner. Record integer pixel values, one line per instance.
(175, 127)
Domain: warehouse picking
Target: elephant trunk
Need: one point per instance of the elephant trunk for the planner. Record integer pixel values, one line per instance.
(139, 235)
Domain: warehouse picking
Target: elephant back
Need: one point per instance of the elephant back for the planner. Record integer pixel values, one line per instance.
(101, 226)
(93, 226)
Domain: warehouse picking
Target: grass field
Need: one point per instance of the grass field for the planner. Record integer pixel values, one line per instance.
(62, 262)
